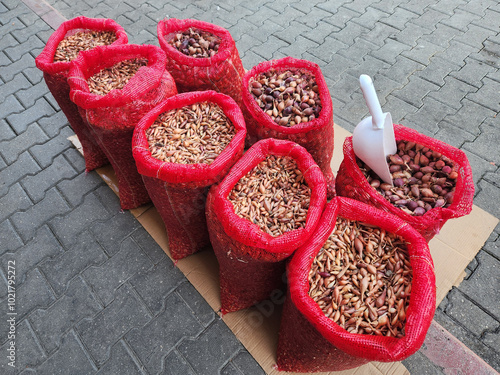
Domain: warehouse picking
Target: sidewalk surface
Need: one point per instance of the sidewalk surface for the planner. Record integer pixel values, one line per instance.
(95, 293)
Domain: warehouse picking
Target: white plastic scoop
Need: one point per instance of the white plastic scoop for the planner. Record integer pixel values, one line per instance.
(373, 138)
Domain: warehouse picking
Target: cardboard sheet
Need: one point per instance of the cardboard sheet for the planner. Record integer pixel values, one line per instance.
(257, 328)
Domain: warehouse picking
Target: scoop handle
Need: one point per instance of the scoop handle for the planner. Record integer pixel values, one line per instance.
(372, 101)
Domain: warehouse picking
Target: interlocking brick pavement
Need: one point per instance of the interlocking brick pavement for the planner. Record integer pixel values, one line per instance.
(97, 295)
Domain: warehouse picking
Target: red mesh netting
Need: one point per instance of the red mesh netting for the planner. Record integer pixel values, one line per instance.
(222, 72)
(350, 182)
(56, 74)
(113, 117)
(252, 262)
(179, 191)
(316, 135)
(311, 342)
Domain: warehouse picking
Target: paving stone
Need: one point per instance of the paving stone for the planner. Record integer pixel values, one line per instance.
(390, 50)
(37, 185)
(350, 32)
(111, 232)
(487, 193)
(76, 188)
(490, 19)
(470, 116)
(60, 270)
(201, 309)
(45, 153)
(468, 314)
(211, 350)
(150, 342)
(77, 303)
(12, 148)
(247, 364)
(473, 287)
(473, 72)
(369, 18)
(486, 144)
(16, 11)
(457, 52)
(243, 27)
(10, 240)
(15, 200)
(23, 34)
(492, 246)
(452, 92)
(120, 362)
(415, 91)
(34, 293)
(156, 283)
(28, 352)
(419, 364)
(75, 159)
(149, 245)
(428, 17)
(328, 52)
(21, 121)
(360, 51)
(423, 52)
(23, 166)
(474, 35)
(230, 369)
(6, 134)
(106, 278)
(300, 46)
(487, 95)
(16, 52)
(27, 222)
(402, 69)
(10, 106)
(44, 245)
(450, 134)
(268, 49)
(174, 364)
(72, 358)
(340, 17)
(13, 24)
(106, 328)
(109, 199)
(428, 117)
(19, 82)
(399, 109)
(29, 96)
(489, 355)
(69, 226)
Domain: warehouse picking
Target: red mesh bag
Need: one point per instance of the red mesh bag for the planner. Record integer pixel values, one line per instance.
(113, 117)
(177, 190)
(311, 342)
(56, 74)
(252, 262)
(222, 72)
(316, 135)
(350, 182)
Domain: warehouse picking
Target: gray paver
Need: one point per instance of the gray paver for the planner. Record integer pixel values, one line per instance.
(211, 350)
(106, 278)
(101, 332)
(72, 357)
(120, 362)
(156, 283)
(150, 342)
(14, 146)
(51, 324)
(27, 222)
(60, 270)
(10, 239)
